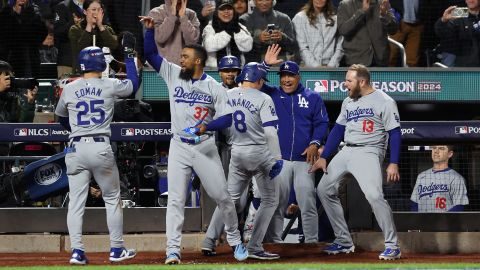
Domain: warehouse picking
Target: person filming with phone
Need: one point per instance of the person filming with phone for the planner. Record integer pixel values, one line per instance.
(462, 26)
(268, 26)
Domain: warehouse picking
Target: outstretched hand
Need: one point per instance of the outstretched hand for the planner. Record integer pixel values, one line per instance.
(147, 21)
(271, 56)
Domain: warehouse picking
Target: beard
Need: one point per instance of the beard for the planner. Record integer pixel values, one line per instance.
(186, 74)
(355, 92)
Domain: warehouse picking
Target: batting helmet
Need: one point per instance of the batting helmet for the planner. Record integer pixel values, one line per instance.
(92, 59)
(252, 72)
(229, 62)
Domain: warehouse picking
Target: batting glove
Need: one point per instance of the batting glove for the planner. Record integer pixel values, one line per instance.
(276, 169)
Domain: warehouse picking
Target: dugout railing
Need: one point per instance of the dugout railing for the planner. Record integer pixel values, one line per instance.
(152, 219)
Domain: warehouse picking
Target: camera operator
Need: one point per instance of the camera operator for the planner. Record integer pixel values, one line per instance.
(14, 106)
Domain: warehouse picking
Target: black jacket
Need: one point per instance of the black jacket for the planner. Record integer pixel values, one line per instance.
(22, 36)
(63, 21)
(465, 39)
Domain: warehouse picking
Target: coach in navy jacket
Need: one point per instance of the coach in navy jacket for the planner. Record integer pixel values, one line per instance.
(303, 125)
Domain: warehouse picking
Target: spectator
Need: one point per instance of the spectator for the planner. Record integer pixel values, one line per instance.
(67, 13)
(302, 127)
(263, 14)
(175, 27)
(224, 35)
(412, 14)
(317, 35)
(15, 108)
(122, 21)
(441, 188)
(48, 52)
(204, 10)
(82, 35)
(23, 33)
(289, 7)
(240, 6)
(365, 27)
(465, 32)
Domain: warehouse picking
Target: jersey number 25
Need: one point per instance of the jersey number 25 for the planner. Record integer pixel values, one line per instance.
(90, 108)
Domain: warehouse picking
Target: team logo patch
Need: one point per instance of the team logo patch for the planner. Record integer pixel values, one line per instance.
(128, 132)
(48, 174)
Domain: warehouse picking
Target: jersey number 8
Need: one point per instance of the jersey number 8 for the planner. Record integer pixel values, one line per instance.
(86, 108)
(239, 121)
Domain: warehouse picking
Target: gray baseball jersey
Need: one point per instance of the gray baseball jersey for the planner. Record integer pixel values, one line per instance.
(252, 109)
(250, 157)
(88, 103)
(190, 102)
(438, 191)
(367, 118)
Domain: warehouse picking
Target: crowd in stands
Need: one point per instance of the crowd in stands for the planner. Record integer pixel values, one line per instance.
(314, 33)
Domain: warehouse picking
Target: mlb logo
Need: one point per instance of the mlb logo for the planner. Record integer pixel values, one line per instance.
(461, 130)
(321, 86)
(128, 132)
(20, 132)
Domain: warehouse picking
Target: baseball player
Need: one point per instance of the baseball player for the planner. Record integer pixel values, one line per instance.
(255, 152)
(229, 68)
(439, 189)
(303, 125)
(368, 119)
(195, 100)
(86, 106)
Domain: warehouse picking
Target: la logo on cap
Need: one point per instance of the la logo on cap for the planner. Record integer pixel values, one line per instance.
(286, 66)
(230, 60)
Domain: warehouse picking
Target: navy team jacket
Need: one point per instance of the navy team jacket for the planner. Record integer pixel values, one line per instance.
(303, 120)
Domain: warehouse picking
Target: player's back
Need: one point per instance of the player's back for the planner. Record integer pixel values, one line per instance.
(90, 104)
(252, 109)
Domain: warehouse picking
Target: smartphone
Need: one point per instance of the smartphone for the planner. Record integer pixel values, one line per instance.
(212, 2)
(271, 27)
(460, 12)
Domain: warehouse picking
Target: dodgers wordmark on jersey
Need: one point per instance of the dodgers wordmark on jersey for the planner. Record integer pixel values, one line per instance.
(366, 119)
(439, 191)
(191, 101)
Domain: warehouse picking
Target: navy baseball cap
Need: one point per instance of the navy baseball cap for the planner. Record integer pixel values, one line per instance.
(290, 67)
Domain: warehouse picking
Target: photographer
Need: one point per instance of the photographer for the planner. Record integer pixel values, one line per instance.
(463, 30)
(14, 107)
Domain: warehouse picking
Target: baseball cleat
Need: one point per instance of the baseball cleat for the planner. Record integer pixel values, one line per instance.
(121, 254)
(240, 252)
(173, 258)
(78, 257)
(336, 248)
(263, 255)
(390, 254)
(208, 252)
